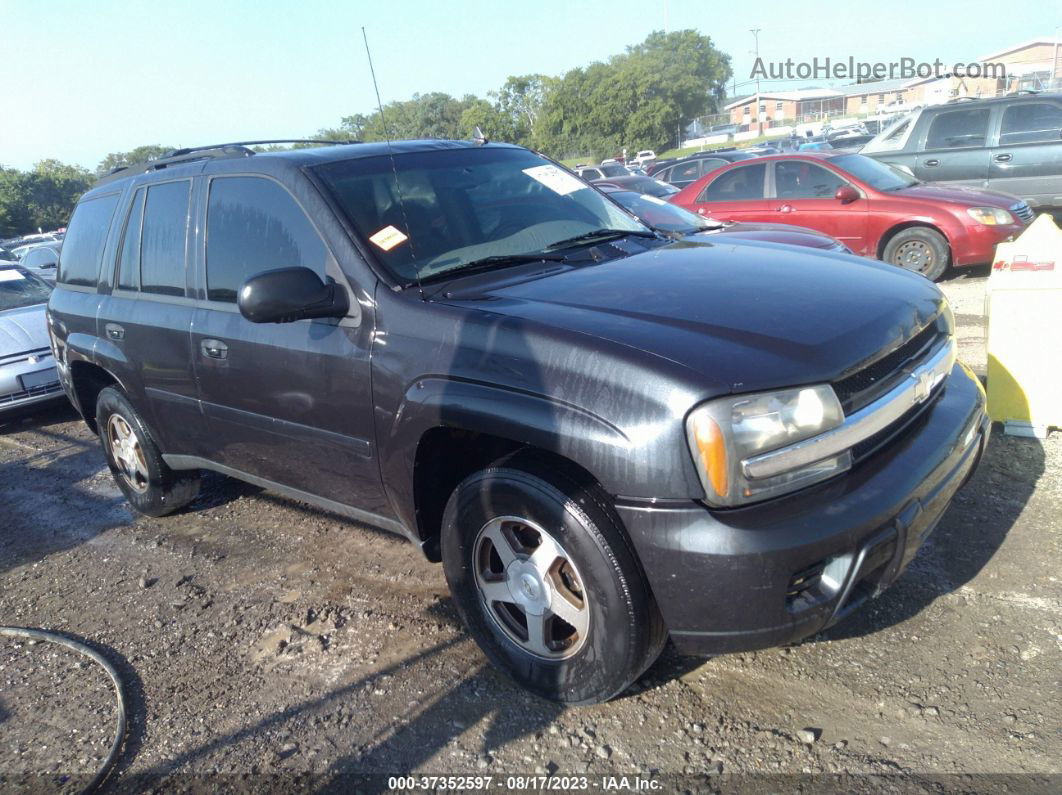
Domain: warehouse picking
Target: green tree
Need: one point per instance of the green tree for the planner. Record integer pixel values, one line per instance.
(42, 198)
(139, 155)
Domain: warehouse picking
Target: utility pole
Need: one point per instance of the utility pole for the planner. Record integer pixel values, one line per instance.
(759, 122)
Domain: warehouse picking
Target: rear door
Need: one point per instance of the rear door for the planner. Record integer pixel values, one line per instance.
(145, 322)
(955, 147)
(1027, 157)
(286, 402)
(803, 195)
(736, 194)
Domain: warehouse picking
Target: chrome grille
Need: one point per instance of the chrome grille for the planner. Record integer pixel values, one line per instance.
(1023, 212)
(864, 386)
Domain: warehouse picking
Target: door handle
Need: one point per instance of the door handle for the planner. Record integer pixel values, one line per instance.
(1004, 158)
(931, 163)
(214, 349)
(786, 208)
(114, 331)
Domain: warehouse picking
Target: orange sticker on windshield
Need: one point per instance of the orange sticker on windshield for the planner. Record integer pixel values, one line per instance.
(388, 237)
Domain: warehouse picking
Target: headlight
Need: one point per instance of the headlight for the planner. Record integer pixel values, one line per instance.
(990, 216)
(723, 433)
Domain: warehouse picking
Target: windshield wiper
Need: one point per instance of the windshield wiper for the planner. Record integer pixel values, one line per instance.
(490, 263)
(599, 234)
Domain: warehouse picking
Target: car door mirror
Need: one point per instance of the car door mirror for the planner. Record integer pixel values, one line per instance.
(288, 294)
(846, 194)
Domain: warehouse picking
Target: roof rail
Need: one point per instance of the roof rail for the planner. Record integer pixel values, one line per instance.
(192, 153)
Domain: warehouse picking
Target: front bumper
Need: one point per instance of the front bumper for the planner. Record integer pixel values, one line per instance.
(774, 573)
(26, 383)
(978, 244)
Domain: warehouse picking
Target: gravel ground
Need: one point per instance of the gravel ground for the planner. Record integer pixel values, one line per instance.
(258, 636)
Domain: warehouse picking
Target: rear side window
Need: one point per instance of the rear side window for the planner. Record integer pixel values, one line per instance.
(85, 238)
(743, 183)
(1031, 122)
(254, 225)
(129, 256)
(958, 129)
(687, 172)
(164, 238)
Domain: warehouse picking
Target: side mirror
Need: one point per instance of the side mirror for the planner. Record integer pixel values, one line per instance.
(846, 194)
(288, 294)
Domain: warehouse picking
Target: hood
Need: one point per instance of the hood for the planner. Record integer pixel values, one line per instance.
(742, 317)
(957, 194)
(776, 233)
(23, 329)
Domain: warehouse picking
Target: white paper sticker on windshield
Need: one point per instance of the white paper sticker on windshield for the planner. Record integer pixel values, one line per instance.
(388, 237)
(555, 179)
(10, 276)
(653, 199)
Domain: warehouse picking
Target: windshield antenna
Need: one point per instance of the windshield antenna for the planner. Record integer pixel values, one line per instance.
(391, 153)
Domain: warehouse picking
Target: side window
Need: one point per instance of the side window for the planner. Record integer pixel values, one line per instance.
(82, 253)
(1031, 122)
(957, 129)
(254, 225)
(664, 174)
(742, 183)
(798, 179)
(164, 237)
(129, 256)
(43, 257)
(687, 172)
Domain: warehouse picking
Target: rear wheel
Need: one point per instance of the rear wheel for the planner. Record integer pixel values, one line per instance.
(136, 462)
(920, 250)
(547, 582)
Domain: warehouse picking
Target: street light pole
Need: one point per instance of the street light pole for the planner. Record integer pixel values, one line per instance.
(759, 122)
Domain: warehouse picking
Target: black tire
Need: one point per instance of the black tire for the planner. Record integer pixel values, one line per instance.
(919, 249)
(624, 630)
(153, 488)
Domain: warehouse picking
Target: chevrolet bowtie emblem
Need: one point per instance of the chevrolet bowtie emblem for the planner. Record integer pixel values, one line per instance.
(923, 386)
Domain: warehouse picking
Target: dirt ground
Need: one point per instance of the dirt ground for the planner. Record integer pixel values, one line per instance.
(259, 636)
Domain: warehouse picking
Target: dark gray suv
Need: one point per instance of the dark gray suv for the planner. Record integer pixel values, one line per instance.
(1011, 144)
(607, 436)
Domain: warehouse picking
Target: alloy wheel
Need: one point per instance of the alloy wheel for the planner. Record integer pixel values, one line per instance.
(531, 588)
(127, 453)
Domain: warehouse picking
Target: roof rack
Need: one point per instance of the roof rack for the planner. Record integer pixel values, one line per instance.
(192, 153)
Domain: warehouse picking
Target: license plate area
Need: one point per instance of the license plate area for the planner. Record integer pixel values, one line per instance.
(38, 378)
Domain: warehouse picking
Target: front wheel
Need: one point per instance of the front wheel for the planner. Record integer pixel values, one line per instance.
(547, 583)
(920, 250)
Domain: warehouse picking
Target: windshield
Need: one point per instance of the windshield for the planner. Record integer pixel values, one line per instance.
(19, 289)
(423, 213)
(660, 214)
(893, 137)
(874, 173)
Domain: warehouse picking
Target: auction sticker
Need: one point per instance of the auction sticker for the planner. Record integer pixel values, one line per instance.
(388, 237)
(555, 179)
(10, 276)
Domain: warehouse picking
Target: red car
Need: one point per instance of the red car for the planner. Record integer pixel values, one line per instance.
(873, 208)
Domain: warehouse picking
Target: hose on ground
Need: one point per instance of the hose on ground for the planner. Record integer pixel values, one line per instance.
(119, 731)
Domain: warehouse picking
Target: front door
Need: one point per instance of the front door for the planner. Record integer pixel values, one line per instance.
(955, 149)
(289, 403)
(804, 195)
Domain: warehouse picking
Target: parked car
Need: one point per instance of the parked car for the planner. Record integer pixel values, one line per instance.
(632, 182)
(1012, 144)
(607, 436)
(600, 172)
(673, 220)
(27, 371)
(874, 209)
(42, 261)
(690, 169)
(644, 157)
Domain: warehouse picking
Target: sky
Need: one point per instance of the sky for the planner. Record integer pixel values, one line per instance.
(82, 78)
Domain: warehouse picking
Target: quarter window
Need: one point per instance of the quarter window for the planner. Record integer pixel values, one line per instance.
(164, 237)
(254, 225)
(82, 253)
(739, 184)
(1031, 122)
(958, 129)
